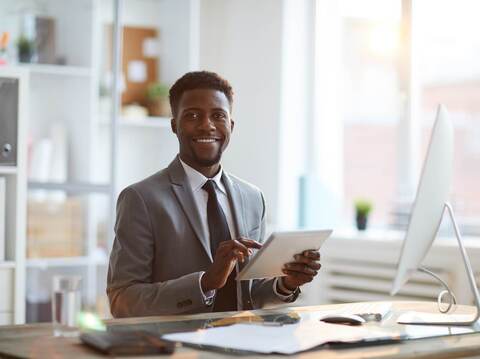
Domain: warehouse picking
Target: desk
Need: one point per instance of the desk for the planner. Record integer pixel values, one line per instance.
(36, 341)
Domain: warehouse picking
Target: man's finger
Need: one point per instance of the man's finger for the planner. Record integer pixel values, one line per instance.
(299, 277)
(234, 249)
(300, 268)
(239, 246)
(312, 254)
(236, 254)
(250, 243)
(309, 262)
(231, 248)
(232, 244)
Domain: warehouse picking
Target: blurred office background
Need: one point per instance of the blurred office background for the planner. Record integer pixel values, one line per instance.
(334, 102)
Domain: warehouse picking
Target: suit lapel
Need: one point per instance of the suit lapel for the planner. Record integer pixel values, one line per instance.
(237, 204)
(183, 192)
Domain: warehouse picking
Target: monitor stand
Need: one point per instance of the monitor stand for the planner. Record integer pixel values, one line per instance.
(444, 318)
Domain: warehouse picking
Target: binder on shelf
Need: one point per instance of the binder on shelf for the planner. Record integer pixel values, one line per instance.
(2, 217)
(8, 121)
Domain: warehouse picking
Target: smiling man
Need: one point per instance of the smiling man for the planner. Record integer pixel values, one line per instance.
(183, 233)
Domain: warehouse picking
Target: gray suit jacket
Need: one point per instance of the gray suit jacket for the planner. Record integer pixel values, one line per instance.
(160, 247)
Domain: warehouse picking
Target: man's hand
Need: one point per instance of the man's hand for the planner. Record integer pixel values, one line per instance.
(302, 270)
(226, 256)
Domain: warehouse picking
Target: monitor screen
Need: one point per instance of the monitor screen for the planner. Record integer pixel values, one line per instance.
(432, 193)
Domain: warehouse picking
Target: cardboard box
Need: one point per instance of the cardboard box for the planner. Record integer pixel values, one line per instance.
(56, 229)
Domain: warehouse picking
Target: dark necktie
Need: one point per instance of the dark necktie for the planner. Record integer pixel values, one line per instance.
(226, 297)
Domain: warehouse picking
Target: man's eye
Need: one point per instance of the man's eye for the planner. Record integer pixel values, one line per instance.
(191, 115)
(219, 116)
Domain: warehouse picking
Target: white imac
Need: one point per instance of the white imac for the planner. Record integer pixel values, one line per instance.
(430, 204)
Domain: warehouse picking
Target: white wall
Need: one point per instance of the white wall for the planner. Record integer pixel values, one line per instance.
(266, 50)
(296, 106)
(241, 40)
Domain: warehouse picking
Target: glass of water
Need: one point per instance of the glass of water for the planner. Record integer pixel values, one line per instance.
(66, 305)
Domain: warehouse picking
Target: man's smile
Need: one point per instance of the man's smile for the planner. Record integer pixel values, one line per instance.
(206, 139)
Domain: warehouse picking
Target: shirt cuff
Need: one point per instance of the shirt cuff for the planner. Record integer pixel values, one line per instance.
(279, 282)
(207, 297)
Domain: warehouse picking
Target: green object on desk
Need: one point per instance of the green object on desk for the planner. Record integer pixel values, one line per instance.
(90, 321)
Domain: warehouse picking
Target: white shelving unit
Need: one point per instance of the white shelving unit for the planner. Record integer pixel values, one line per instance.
(6, 170)
(141, 122)
(74, 71)
(69, 94)
(145, 122)
(7, 265)
(75, 188)
(150, 139)
(65, 94)
(65, 262)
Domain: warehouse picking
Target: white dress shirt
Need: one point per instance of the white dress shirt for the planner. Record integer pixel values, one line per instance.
(200, 196)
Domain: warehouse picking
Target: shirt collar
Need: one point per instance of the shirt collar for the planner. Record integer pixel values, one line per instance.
(197, 180)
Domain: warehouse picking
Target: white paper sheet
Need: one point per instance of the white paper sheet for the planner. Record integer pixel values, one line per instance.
(420, 317)
(137, 71)
(287, 339)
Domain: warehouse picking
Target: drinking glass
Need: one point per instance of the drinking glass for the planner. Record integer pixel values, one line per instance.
(66, 305)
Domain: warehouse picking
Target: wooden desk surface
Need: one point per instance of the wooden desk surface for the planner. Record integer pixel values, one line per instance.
(36, 340)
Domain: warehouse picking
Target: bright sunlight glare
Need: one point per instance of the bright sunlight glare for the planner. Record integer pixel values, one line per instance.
(383, 39)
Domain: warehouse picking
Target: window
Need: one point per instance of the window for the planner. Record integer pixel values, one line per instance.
(449, 73)
(383, 142)
(371, 108)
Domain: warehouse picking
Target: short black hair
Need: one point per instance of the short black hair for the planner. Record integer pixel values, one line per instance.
(198, 80)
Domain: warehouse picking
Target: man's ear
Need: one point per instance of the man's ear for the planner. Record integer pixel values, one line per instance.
(232, 124)
(173, 125)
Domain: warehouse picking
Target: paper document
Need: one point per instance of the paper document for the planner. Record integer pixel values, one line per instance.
(286, 339)
(419, 317)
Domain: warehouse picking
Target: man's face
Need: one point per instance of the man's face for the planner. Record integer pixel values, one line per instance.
(203, 126)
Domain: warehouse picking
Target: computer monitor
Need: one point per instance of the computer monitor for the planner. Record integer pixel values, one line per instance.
(432, 194)
(430, 204)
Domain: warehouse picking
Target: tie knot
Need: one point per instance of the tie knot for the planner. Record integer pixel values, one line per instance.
(209, 186)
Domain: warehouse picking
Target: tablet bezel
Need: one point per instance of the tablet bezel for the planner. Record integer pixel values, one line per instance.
(323, 235)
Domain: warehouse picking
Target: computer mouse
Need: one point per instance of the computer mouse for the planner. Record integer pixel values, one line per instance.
(346, 319)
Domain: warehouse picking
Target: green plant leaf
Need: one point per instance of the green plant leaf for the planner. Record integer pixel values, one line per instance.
(363, 206)
(157, 90)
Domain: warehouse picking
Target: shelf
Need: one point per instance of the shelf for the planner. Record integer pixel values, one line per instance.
(78, 187)
(64, 262)
(8, 170)
(62, 70)
(7, 264)
(142, 122)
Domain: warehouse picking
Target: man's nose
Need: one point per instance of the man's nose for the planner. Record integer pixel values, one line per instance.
(206, 123)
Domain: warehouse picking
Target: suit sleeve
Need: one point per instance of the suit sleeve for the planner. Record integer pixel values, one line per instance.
(130, 288)
(262, 291)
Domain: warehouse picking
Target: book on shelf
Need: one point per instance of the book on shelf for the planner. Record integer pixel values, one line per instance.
(2, 217)
(8, 122)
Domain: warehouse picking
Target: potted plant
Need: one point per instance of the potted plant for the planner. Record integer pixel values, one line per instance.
(363, 208)
(25, 48)
(157, 99)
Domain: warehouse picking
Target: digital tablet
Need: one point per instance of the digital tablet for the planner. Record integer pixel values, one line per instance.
(279, 249)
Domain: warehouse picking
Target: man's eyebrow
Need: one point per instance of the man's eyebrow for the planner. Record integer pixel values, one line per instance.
(192, 109)
(201, 109)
